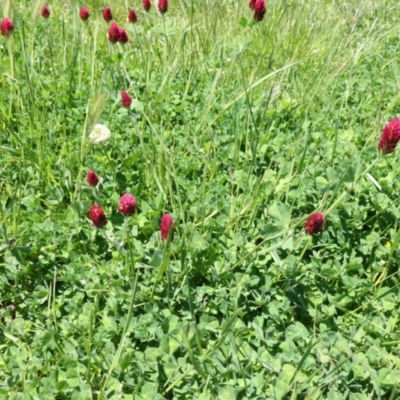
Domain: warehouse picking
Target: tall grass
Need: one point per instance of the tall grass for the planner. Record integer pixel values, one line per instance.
(241, 131)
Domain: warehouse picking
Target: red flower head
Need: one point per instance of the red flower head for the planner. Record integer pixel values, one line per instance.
(107, 14)
(125, 99)
(113, 33)
(390, 137)
(92, 178)
(127, 204)
(122, 36)
(259, 10)
(163, 6)
(146, 5)
(166, 225)
(6, 27)
(252, 4)
(45, 12)
(84, 13)
(96, 214)
(314, 224)
(132, 17)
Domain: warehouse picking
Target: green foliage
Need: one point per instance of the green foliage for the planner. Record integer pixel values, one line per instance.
(240, 130)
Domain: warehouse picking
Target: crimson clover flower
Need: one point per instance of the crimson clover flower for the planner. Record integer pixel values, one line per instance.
(390, 137)
(97, 216)
(166, 225)
(314, 224)
(127, 204)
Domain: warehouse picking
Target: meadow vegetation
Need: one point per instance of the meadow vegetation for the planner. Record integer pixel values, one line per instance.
(239, 131)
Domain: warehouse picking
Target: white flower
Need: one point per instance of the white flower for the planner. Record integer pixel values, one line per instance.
(100, 133)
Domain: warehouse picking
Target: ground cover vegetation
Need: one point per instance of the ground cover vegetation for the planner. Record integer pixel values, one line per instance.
(199, 200)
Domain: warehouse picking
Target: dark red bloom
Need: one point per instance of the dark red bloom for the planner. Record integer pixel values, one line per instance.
(252, 4)
(84, 13)
(92, 178)
(163, 6)
(45, 12)
(314, 224)
(146, 5)
(113, 33)
(96, 214)
(126, 100)
(166, 225)
(390, 137)
(122, 36)
(259, 10)
(6, 27)
(132, 17)
(107, 15)
(127, 204)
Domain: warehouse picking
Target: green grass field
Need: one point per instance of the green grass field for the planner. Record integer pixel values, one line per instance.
(239, 130)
